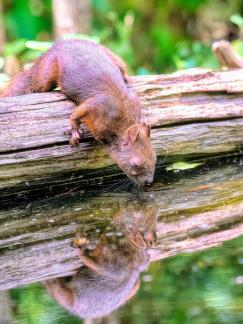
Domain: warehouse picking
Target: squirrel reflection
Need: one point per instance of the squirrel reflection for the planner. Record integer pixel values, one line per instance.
(110, 273)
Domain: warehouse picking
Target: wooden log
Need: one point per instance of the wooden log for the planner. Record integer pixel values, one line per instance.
(198, 210)
(194, 113)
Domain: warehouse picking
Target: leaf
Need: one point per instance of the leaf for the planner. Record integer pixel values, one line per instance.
(14, 48)
(82, 36)
(237, 20)
(4, 78)
(39, 46)
(183, 166)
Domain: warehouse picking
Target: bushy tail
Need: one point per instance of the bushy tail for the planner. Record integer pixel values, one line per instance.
(43, 76)
(20, 85)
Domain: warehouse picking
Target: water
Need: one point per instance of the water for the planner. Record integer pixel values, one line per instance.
(183, 239)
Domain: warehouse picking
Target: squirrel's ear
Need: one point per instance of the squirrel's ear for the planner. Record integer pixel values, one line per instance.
(138, 240)
(132, 133)
(145, 130)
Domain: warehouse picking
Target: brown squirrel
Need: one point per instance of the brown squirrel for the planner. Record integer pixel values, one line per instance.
(96, 80)
(110, 275)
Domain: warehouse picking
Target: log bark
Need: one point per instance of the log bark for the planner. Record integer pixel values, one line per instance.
(198, 210)
(194, 114)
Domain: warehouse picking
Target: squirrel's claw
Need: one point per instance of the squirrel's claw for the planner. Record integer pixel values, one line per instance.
(79, 242)
(75, 136)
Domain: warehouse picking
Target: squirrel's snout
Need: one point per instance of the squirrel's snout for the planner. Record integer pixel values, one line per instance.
(146, 181)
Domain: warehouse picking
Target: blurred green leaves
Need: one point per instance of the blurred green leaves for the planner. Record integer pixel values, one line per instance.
(29, 19)
(237, 20)
(200, 288)
(35, 306)
(152, 36)
(25, 50)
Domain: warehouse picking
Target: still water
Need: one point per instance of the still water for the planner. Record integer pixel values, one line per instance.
(205, 287)
(172, 255)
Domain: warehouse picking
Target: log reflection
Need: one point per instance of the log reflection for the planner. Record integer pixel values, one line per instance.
(197, 210)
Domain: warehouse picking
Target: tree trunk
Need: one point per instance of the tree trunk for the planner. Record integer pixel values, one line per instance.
(194, 114)
(226, 55)
(71, 17)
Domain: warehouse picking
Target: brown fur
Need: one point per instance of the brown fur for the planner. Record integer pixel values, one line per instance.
(96, 80)
(110, 275)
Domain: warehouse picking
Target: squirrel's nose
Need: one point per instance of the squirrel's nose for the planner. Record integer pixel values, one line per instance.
(148, 181)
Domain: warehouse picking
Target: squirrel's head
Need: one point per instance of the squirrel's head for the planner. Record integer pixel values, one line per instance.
(135, 155)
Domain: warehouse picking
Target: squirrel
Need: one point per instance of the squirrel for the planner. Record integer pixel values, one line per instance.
(111, 267)
(96, 80)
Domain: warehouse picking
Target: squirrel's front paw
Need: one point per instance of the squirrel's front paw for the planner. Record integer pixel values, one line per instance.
(75, 136)
(80, 242)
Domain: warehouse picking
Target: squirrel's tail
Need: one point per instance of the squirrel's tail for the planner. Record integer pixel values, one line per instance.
(41, 77)
(20, 85)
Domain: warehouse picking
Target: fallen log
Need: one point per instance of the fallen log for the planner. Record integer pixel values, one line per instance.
(194, 113)
(199, 210)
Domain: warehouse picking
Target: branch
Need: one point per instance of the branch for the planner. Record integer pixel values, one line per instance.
(226, 55)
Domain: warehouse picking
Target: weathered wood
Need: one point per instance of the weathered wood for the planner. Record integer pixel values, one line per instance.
(193, 113)
(199, 210)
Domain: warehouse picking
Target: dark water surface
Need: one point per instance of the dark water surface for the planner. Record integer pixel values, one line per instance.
(183, 239)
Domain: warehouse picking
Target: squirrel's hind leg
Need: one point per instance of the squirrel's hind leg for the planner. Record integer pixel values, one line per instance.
(45, 73)
(119, 63)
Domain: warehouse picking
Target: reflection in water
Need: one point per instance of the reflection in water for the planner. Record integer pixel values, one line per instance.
(111, 263)
(199, 210)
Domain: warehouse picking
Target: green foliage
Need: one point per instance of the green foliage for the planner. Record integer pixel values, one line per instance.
(198, 288)
(27, 19)
(193, 54)
(237, 20)
(25, 50)
(35, 306)
(152, 36)
(155, 36)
